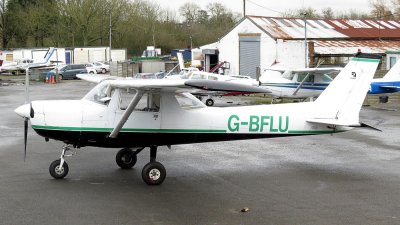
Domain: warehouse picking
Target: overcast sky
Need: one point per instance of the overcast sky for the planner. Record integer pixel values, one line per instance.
(273, 7)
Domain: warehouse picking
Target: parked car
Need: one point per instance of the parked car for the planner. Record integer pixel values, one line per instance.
(145, 76)
(70, 71)
(101, 67)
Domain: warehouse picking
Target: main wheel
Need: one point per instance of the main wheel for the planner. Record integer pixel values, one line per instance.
(154, 173)
(209, 102)
(60, 77)
(126, 158)
(103, 70)
(58, 172)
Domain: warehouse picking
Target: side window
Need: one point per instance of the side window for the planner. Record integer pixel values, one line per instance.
(301, 76)
(212, 78)
(150, 102)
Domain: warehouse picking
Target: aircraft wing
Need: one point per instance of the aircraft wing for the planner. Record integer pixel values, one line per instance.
(95, 78)
(192, 86)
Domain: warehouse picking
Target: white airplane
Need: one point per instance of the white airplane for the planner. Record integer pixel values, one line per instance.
(297, 83)
(22, 64)
(201, 75)
(135, 114)
(310, 82)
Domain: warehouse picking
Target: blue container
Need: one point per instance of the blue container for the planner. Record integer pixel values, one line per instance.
(186, 53)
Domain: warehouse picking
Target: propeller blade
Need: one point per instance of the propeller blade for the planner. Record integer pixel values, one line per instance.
(32, 112)
(25, 135)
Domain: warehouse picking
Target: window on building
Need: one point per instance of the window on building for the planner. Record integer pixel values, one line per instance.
(392, 61)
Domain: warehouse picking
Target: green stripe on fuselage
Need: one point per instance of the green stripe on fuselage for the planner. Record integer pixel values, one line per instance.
(143, 130)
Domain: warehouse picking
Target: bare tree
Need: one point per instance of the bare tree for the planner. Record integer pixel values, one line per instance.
(328, 13)
(381, 9)
(189, 12)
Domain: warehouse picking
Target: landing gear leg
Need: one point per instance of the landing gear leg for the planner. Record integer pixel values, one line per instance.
(153, 173)
(59, 168)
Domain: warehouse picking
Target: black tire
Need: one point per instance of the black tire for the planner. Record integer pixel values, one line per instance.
(126, 158)
(60, 77)
(103, 70)
(209, 102)
(55, 170)
(154, 173)
(91, 72)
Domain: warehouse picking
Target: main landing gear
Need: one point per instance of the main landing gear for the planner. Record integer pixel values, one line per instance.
(153, 173)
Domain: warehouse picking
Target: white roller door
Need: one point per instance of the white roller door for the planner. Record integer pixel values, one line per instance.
(249, 55)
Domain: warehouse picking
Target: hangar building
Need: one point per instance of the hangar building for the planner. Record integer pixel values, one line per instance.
(258, 41)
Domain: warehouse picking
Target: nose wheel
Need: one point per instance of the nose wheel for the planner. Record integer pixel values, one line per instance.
(58, 169)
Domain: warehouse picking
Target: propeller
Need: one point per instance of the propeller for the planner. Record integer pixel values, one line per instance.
(26, 111)
(31, 111)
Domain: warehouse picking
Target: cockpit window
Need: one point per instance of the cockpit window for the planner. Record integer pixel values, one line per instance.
(188, 101)
(100, 94)
(288, 75)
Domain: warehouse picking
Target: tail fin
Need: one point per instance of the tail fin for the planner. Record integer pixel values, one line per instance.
(393, 74)
(341, 101)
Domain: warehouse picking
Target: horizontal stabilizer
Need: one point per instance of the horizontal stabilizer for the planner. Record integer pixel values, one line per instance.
(364, 125)
(335, 122)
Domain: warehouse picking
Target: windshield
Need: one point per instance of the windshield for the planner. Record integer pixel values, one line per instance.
(100, 94)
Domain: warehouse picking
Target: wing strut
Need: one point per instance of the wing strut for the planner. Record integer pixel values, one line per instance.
(301, 84)
(128, 112)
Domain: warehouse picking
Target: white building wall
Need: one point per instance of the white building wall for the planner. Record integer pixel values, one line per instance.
(118, 54)
(228, 46)
(287, 53)
(291, 54)
(85, 55)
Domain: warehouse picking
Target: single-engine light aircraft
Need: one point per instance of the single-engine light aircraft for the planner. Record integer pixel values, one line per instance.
(135, 114)
(297, 83)
(310, 82)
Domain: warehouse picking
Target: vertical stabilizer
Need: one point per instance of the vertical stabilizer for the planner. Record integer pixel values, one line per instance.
(342, 100)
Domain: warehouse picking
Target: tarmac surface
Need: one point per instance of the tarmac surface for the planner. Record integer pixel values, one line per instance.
(347, 178)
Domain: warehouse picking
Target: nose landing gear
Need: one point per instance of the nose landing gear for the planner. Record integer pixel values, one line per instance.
(59, 168)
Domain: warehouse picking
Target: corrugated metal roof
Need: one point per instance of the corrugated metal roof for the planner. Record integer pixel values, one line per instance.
(349, 47)
(285, 28)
